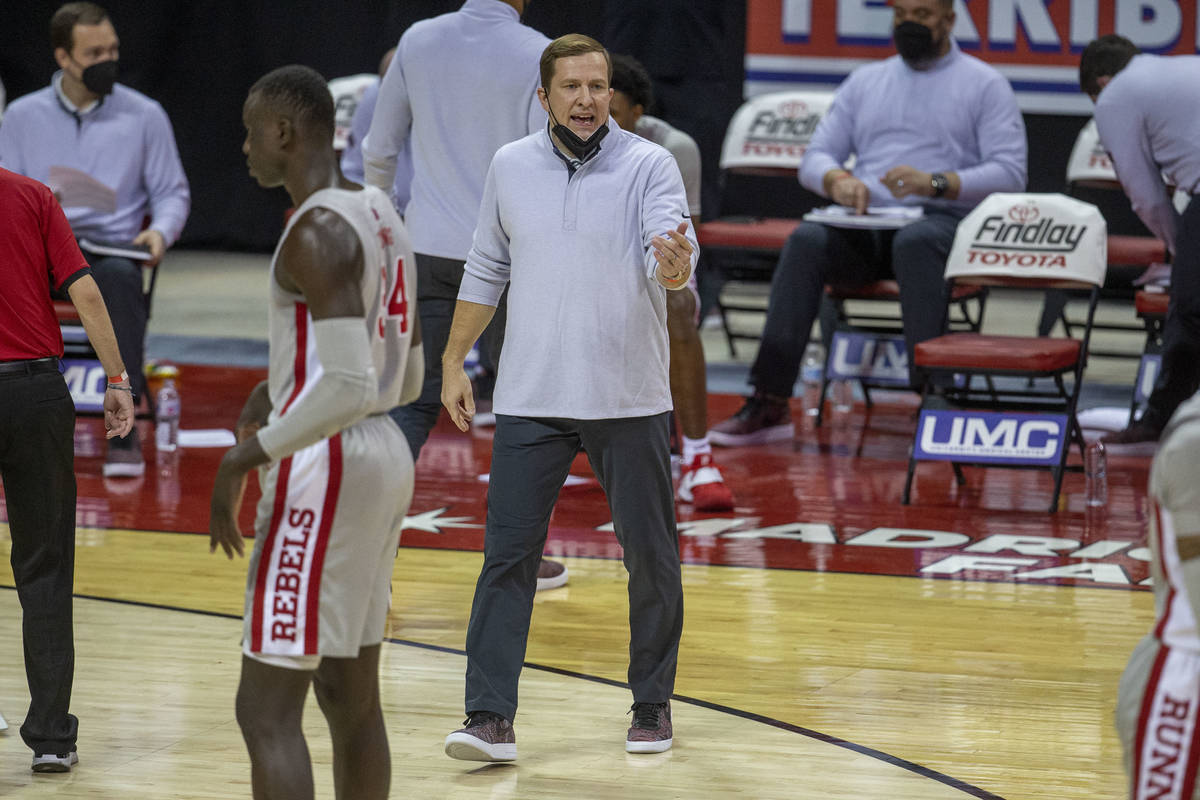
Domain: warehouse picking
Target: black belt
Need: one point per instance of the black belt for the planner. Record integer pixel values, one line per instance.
(29, 367)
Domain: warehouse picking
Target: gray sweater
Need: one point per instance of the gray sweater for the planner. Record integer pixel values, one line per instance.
(1149, 120)
(586, 335)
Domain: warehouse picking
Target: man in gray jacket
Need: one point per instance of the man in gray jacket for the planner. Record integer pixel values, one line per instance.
(587, 226)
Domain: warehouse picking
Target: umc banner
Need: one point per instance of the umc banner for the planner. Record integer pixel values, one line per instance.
(1034, 43)
(990, 437)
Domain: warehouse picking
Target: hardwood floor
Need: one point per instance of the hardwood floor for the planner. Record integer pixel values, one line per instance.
(836, 645)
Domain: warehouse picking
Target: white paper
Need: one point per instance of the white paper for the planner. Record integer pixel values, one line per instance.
(78, 189)
(1104, 418)
(207, 437)
(1155, 275)
(876, 218)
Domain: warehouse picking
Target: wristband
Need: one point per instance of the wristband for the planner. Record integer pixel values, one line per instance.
(122, 378)
(120, 388)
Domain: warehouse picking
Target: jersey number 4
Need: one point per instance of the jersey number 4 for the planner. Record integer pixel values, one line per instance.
(397, 304)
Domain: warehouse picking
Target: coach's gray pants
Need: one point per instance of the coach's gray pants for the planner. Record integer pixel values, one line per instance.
(530, 461)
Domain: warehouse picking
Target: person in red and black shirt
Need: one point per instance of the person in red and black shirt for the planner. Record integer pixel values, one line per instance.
(37, 450)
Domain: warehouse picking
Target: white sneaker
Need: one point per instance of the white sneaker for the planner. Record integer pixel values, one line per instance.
(3, 723)
(50, 762)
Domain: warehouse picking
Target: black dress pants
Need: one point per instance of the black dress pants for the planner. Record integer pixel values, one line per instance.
(37, 451)
(1180, 375)
(438, 280)
(530, 461)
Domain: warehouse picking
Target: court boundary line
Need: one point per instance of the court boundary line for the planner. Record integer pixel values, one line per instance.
(824, 738)
(1063, 583)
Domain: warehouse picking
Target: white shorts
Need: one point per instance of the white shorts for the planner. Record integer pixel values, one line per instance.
(326, 533)
(1157, 705)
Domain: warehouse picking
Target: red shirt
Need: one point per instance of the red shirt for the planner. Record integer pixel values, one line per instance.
(37, 250)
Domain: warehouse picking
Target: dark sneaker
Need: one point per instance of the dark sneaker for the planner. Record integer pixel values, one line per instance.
(651, 729)
(124, 457)
(762, 419)
(701, 484)
(484, 737)
(551, 574)
(55, 762)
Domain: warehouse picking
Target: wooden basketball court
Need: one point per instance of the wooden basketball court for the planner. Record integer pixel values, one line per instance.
(836, 644)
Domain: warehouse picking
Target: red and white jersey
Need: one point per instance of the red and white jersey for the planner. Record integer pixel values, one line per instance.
(1175, 625)
(389, 283)
(1175, 509)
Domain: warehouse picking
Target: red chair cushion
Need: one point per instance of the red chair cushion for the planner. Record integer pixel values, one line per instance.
(748, 234)
(1010, 353)
(1151, 304)
(1135, 250)
(65, 312)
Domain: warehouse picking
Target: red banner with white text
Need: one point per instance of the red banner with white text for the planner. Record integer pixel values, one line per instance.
(1034, 43)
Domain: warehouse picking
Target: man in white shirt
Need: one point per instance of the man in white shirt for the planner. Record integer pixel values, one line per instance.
(586, 224)
(1148, 117)
(700, 481)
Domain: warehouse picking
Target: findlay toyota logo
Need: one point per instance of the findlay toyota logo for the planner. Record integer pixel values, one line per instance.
(1024, 214)
(784, 130)
(792, 109)
(1023, 237)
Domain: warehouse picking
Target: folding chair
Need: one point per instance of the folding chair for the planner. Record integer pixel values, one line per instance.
(1041, 242)
(867, 346)
(766, 138)
(346, 93)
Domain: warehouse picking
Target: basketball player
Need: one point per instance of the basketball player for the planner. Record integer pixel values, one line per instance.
(1159, 696)
(338, 474)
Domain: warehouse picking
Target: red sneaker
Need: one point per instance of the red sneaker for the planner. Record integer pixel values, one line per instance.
(763, 419)
(701, 484)
(484, 737)
(651, 731)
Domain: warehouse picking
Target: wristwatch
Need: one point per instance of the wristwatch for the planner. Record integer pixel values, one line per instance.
(940, 184)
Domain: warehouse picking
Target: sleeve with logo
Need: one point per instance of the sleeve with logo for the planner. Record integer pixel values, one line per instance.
(664, 206)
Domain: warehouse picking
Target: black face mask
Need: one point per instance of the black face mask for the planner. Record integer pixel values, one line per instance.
(99, 78)
(580, 148)
(914, 42)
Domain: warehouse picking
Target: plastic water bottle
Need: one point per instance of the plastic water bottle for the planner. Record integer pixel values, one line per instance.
(843, 396)
(812, 368)
(166, 417)
(1095, 470)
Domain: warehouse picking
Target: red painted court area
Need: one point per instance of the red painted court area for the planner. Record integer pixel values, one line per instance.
(829, 501)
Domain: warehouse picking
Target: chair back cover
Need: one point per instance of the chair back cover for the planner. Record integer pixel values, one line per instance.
(1031, 236)
(772, 131)
(1089, 162)
(346, 93)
